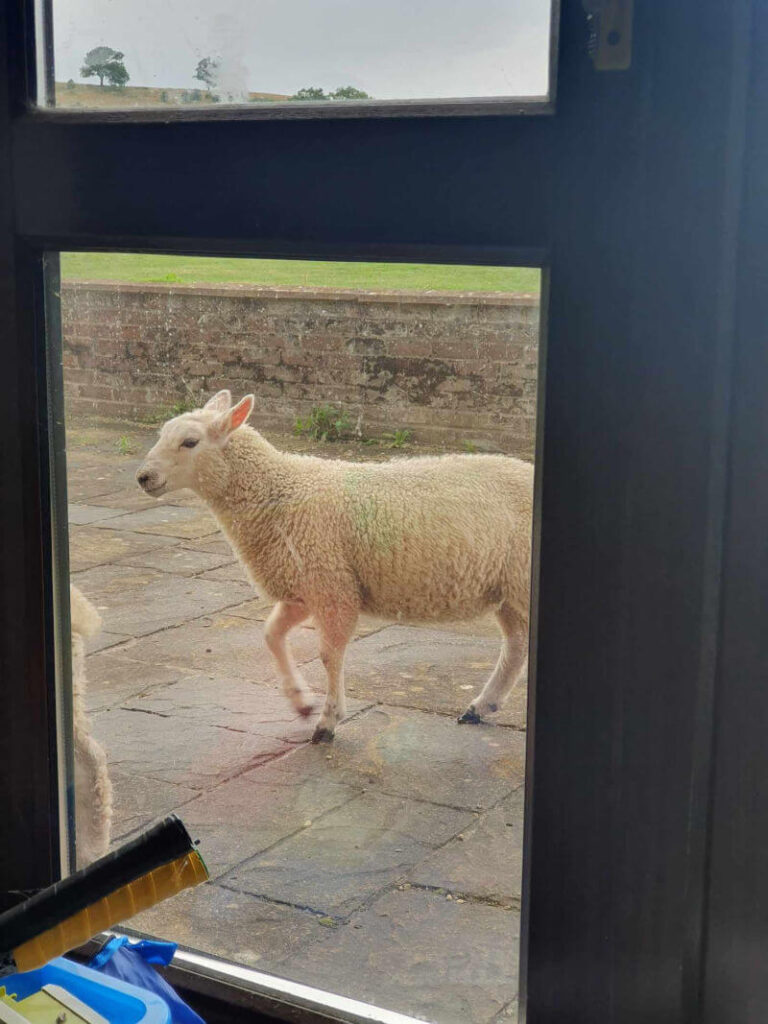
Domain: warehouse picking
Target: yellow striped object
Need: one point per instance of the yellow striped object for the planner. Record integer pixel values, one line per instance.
(147, 890)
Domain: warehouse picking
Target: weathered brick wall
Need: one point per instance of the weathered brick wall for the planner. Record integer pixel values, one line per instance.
(451, 367)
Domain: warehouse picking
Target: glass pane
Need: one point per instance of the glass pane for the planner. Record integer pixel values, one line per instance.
(150, 53)
(381, 488)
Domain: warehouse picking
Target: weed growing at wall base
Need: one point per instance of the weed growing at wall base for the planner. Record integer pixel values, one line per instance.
(125, 446)
(398, 439)
(325, 423)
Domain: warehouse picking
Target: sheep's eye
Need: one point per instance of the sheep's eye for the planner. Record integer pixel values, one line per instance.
(190, 442)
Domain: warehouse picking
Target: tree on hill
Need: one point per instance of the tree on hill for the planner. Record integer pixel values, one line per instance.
(344, 92)
(311, 93)
(207, 72)
(107, 64)
(348, 92)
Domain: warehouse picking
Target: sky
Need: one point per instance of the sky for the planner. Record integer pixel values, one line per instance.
(392, 49)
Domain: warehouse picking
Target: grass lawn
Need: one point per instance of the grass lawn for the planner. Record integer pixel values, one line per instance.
(139, 267)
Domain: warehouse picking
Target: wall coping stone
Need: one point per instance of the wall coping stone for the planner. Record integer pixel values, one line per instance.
(405, 297)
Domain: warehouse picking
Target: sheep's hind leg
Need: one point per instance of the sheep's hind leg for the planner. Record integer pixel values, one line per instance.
(283, 618)
(336, 630)
(511, 668)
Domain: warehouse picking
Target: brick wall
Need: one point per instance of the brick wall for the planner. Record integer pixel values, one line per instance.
(450, 367)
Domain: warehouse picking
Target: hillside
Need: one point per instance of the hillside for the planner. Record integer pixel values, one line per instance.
(82, 95)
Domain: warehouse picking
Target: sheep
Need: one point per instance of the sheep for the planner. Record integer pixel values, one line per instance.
(416, 540)
(93, 788)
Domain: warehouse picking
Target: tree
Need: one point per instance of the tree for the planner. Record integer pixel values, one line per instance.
(207, 72)
(105, 63)
(344, 92)
(311, 93)
(348, 92)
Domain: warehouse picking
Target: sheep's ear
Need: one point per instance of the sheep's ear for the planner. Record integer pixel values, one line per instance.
(233, 418)
(241, 412)
(220, 402)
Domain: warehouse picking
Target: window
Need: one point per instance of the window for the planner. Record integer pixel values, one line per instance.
(290, 59)
(327, 861)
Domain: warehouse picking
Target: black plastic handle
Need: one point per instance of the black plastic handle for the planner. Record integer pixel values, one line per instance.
(159, 845)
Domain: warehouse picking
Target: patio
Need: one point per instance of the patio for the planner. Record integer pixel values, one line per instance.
(387, 866)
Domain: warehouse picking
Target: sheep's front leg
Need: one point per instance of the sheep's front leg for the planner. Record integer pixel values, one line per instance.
(283, 618)
(336, 629)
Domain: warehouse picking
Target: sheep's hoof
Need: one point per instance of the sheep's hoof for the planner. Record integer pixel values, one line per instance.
(322, 735)
(470, 717)
(306, 710)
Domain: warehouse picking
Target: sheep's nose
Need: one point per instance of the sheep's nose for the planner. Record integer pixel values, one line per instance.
(144, 477)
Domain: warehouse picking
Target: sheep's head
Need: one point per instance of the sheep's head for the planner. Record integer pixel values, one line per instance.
(187, 440)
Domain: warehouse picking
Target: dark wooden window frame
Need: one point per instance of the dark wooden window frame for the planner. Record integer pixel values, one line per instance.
(642, 196)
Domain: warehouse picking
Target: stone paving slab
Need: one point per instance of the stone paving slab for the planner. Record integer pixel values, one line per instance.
(89, 546)
(126, 499)
(113, 679)
(426, 668)
(422, 756)
(260, 607)
(244, 817)
(166, 520)
(231, 571)
(484, 627)
(346, 856)
(133, 499)
(231, 925)
(183, 499)
(179, 750)
(104, 640)
(486, 861)
(176, 559)
(233, 703)
(99, 474)
(138, 801)
(223, 643)
(82, 515)
(214, 543)
(509, 1014)
(142, 601)
(82, 486)
(258, 610)
(420, 954)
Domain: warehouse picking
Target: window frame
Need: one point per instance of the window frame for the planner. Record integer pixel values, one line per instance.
(452, 106)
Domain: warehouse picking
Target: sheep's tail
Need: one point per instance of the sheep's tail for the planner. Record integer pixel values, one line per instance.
(85, 619)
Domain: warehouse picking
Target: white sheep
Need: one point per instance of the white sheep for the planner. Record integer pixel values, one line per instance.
(93, 788)
(430, 539)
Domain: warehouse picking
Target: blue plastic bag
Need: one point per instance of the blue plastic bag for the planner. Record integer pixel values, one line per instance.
(131, 962)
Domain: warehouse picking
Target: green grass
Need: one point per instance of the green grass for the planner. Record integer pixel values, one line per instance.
(140, 267)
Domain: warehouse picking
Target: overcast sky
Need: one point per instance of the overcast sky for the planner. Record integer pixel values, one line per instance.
(393, 49)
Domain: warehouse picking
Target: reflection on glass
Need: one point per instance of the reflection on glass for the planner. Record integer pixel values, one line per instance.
(148, 53)
(384, 865)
